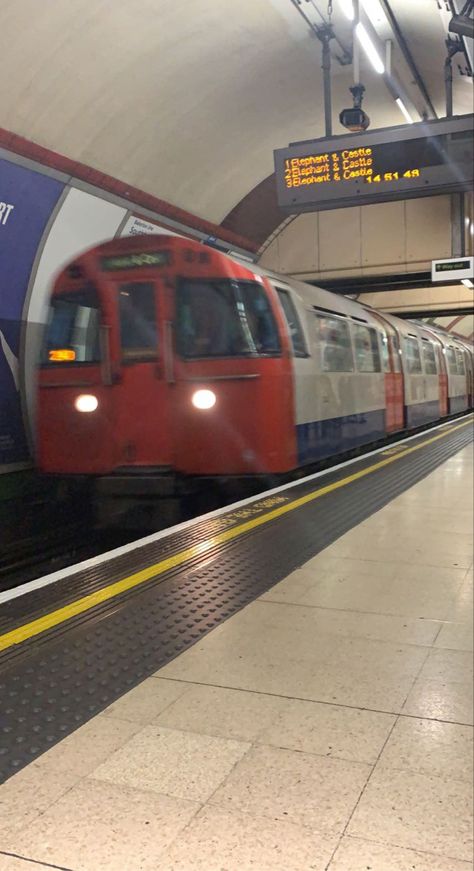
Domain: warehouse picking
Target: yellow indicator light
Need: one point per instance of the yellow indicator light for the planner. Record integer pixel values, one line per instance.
(62, 355)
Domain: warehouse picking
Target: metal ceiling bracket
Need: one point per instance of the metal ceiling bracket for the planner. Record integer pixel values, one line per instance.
(453, 46)
(325, 34)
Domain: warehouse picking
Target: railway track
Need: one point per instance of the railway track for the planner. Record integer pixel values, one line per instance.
(41, 554)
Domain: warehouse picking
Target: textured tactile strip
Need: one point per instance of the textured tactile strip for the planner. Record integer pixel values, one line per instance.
(81, 583)
(60, 680)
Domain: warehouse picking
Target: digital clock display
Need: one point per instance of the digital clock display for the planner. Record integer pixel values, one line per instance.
(382, 165)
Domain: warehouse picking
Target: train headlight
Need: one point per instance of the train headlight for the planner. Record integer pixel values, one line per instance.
(204, 399)
(86, 402)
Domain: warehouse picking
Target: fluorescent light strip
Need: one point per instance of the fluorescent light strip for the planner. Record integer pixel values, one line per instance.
(404, 110)
(374, 11)
(347, 7)
(369, 48)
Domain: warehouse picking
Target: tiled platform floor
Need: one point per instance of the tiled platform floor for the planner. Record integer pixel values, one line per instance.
(326, 726)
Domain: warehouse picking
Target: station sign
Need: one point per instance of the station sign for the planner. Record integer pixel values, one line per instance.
(452, 269)
(138, 226)
(418, 160)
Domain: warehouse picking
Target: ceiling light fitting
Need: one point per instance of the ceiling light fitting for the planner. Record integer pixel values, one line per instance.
(404, 110)
(369, 48)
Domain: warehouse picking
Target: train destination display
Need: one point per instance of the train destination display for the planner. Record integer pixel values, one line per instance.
(373, 167)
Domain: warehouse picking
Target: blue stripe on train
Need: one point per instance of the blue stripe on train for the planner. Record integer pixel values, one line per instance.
(322, 438)
(422, 412)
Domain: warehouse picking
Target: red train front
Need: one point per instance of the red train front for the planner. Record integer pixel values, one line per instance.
(163, 359)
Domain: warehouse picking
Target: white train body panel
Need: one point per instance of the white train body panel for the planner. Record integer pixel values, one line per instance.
(347, 408)
(339, 410)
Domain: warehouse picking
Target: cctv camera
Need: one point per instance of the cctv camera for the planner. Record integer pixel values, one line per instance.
(462, 25)
(354, 119)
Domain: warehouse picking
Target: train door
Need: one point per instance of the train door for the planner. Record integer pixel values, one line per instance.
(76, 418)
(464, 373)
(394, 405)
(457, 387)
(470, 378)
(142, 400)
(430, 366)
(443, 380)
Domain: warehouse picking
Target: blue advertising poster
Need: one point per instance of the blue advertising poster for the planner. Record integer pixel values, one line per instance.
(27, 200)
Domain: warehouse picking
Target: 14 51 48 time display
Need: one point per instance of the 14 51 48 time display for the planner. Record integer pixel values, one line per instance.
(392, 176)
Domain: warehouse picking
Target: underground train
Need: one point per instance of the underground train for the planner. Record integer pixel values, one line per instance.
(166, 363)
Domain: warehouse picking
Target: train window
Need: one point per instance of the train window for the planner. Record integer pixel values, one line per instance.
(293, 322)
(460, 361)
(413, 356)
(72, 333)
(366, 349)
(385, 353)
(394, 346)
(224, 319)
(137, 312)
(441, 360)
(334, 342)
(429, 357)
(451, 358)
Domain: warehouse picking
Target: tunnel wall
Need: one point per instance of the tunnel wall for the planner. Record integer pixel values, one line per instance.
(380, 239)
(46, 218)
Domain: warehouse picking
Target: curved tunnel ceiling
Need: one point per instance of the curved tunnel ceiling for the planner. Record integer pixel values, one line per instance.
(188, 100)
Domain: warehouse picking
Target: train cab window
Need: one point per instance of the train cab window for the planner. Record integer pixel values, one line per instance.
(334, 342)
(429, 357)
(460, 362)
(293, 323)
(72, 332)
(385, 353)
(413, 356)
(137, 312)
(224, 319)
(452, 363)
(366, 349)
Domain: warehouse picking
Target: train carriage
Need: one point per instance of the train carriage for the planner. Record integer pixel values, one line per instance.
(422, 369)
(457, 372)
(338, 370)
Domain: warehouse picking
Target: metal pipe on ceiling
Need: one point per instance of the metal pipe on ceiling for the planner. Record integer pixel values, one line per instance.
(346, 57)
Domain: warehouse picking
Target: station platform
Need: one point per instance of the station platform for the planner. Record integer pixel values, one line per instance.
(285, 684)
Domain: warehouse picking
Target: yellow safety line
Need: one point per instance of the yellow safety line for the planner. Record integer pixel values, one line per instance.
(60, 615)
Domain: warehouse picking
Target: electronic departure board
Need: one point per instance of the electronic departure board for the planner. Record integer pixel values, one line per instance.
(423, 159)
